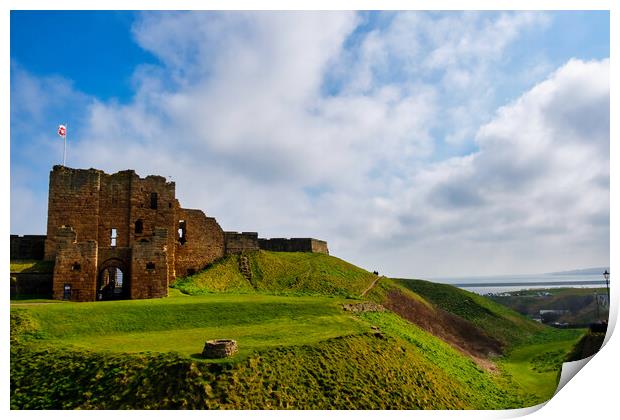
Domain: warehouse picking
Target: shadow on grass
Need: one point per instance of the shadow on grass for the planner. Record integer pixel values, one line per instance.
(32, 266)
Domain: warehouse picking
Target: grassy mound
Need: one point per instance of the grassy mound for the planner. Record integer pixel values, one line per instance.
(299, 351)
(530, 354)
(498, 321)
(182, 324)
(459, 332)
(280, 272)
(403, 368)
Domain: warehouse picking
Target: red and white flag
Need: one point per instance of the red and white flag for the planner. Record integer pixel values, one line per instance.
(62, 131)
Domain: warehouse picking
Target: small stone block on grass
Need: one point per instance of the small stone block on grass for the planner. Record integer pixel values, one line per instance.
(218, 349)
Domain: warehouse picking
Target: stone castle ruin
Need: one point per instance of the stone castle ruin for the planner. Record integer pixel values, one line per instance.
(120, 236)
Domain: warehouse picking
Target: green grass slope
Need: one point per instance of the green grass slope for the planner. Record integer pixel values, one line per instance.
(280, 272)
(500, 322)
(530, 354)
(440, 347)
(182, 324)
(120, 356)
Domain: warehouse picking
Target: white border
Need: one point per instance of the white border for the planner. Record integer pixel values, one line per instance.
(591, 395)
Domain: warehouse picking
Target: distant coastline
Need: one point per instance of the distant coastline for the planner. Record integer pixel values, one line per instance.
(581, 271)
(590, 278)
(534, 283)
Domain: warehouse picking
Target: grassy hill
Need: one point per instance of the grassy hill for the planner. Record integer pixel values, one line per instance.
(145, 354)
(436, 347)
(280, 272)
(504, 324)
(182, 324)
(349, 372)
(529, 352)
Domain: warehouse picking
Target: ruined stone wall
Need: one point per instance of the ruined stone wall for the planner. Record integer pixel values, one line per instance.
(237, 242)
(149, 266)
(76, 266)
(118, 212)
(199, 241)
(146, 193)
(37, 285)
(114, 208)
(293, 245)
(98, 221)
(27, 247)
(73, 201)
(319, 246)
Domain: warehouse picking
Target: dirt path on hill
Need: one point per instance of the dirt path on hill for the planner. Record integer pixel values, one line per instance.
(372, 285)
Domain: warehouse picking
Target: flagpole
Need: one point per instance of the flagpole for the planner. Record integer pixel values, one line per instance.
(64, 156)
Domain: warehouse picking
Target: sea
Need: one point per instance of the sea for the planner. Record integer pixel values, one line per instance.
(509, 283)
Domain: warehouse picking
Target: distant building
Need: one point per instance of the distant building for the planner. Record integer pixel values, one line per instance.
(553, 311)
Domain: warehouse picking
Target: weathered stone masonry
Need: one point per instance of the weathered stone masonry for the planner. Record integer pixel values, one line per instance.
(293, 245)
(120, 236)
(237, 242)
(27, 247)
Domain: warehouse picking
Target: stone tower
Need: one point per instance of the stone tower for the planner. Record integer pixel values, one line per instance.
(120, 236)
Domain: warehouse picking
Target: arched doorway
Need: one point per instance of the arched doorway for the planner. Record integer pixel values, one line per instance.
(113, 280)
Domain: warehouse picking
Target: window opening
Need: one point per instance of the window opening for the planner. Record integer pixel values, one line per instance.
(113, 237)
(118, 281)
(138, 226)
(154, 201)
(66, 295)
(150, 265)
(182, 231)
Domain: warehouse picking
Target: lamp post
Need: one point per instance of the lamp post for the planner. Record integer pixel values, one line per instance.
(606, 277)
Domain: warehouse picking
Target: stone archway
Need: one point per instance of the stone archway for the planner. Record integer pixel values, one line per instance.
(113, 280)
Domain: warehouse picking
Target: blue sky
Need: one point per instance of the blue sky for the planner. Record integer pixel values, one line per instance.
(397, 137)
(96, 50)
(93, 49)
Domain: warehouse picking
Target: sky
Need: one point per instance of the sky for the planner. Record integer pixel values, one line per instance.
(418, 144)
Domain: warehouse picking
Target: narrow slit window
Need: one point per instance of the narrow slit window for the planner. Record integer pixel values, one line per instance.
(154, 201)
(139, 226)
(182, 231)
(113, 237)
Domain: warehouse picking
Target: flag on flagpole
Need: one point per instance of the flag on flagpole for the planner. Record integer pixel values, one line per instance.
(62, 132)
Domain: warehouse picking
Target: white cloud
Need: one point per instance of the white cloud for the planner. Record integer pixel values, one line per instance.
(38, 104)
(537, 187)
(239, 115)
(254, 110)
